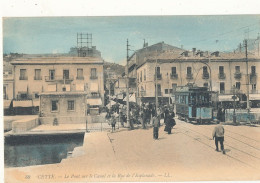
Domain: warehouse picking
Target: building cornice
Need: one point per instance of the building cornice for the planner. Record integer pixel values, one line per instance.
(57, 61)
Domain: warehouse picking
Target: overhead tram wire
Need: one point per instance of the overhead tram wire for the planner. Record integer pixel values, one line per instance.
(225, 33)
(226, 144)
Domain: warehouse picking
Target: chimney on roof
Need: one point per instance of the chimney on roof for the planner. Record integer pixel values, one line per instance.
(217, 53)
(193, 51)
(185, 53)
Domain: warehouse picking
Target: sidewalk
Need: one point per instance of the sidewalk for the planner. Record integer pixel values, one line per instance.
(184, 155)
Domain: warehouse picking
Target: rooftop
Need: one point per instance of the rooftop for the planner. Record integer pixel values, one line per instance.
(197, 55)
(57, 60)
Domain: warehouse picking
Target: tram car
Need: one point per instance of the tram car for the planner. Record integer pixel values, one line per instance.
(195, 103)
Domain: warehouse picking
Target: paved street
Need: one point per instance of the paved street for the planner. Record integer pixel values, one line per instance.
(186, 155)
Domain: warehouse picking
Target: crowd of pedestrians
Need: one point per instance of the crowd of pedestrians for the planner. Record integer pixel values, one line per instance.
(144, 115)
(147, 115)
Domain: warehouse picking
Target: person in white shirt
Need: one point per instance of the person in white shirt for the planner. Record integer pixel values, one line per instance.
(218, 134)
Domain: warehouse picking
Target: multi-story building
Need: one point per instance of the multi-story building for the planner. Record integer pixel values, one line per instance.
(58, 78)
(140, 56)
(221, 72)
(8, 86)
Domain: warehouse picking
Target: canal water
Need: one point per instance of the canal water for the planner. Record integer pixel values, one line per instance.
(27, 151)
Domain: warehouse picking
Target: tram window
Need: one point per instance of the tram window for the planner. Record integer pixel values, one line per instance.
(182, 99)
(193, 99)
(177, 98)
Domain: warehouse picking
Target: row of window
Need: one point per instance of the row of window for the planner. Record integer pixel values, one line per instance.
(52, 75)
(221, 87)
(205, 72)
(55, 106)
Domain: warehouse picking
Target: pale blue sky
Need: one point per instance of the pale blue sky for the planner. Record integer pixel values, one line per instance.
(58, 34)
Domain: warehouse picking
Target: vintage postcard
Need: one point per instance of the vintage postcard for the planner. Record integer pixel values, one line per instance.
(131, 98)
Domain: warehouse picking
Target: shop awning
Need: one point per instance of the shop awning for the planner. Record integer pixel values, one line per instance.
(131, 98)
(93, 87)
(120, 96)
(111, 103)
(226, 98)
(7, 104)
(22, 103)
(94, 101)
(254, 97)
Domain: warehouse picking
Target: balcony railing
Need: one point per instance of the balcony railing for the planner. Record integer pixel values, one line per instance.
(93, 77)
(222, 91)
(23, 78)
(142, 93)
(159, 93)
(253, 78)
(58, 78)
(231, 92)
(80, 78)
(174, 76)
(37, 78)
(238, 75)
(254, 92)
(23, 97)
(159, 76)
(94, 95)
(222, 76)
(189, 76)
(205, 76)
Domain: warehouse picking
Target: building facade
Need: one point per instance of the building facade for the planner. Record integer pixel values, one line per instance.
(221, 72)
(51, 75)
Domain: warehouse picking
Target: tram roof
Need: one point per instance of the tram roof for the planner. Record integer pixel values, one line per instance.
(191, 89)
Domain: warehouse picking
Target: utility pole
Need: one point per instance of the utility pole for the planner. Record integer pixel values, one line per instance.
(234, 97)
(156, 88)
(210, 77)
(127, 89)
(168, 88)
(247, 81)
(109, 83)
